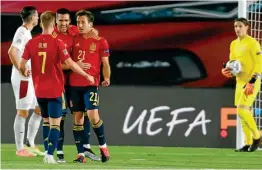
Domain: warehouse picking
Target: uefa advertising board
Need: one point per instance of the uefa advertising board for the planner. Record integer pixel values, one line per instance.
(152, 116)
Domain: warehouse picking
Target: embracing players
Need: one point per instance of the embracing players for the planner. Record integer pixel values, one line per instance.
(248, 51)
(92, 49)
(47, 53)
(65, 32)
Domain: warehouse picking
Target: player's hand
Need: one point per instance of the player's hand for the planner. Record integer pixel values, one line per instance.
(106, 82)
(84, 66)
(27, 73)
(226, 72)
(90, 78)
(95, 31)
(249, 89)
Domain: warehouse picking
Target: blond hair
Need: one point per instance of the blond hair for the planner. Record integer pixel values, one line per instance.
(47, 19)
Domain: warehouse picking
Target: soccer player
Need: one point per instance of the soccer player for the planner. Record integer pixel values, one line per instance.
(89, 48)
(247, 50)
(23, 87)
(46, 53)
(65, 32)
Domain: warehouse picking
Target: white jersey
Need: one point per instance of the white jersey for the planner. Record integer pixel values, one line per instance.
(23, 87)
(22, 36)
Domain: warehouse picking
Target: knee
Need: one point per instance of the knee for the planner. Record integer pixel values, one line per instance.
(78, 118)
(22, 113)
(37, 111)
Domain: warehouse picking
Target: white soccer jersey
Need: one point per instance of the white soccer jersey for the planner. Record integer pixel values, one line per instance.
(23, 87)
(22, 36)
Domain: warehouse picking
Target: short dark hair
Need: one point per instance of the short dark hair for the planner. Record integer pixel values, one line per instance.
(243, 20)
(62, 11)
(86, 13)
(27, 12)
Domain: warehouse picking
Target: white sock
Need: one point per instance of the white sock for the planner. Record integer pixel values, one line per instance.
(60, 152)
(19, 129)
(87, 146)
(33, 126)
(103, 146)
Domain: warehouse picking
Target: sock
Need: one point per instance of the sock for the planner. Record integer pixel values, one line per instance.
(247, 132)
(19, 129)
(99, 130)
(86, 138)
(53, 139)
(33, 126)
(45, 133)
(78, 131)
(247, 117)
(61, 137)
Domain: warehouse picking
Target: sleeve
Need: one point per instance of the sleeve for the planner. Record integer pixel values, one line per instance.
(104, 50)
(26, 54)
(231, 55)
(63, 53)
(19, 39)
(257, 57)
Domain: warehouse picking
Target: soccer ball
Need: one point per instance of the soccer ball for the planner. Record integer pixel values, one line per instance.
(234, 66)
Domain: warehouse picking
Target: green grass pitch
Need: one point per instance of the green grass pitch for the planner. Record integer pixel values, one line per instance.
(127, 157)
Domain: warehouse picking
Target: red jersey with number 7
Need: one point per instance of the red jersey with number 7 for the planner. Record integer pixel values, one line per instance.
(46, 54)
(90, 50)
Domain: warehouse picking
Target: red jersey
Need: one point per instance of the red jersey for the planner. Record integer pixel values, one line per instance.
(68, 40)
(46, 54)
(89, 50)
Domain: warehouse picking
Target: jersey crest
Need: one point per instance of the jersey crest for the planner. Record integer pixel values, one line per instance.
(92, 47)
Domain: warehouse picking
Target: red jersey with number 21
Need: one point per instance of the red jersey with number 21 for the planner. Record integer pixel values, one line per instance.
(46, 54)
(88, 50)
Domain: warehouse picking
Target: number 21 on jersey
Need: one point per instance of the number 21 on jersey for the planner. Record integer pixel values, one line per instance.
(43, 55)
(81, 55)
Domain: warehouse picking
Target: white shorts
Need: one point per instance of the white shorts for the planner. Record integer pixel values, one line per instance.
(24, 94)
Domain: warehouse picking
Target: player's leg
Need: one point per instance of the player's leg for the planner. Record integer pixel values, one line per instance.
(92, 105)
(55, 114)
(88, 152)
(35, 119)
(60, 152)
(43, 105)
(20, 89)
(33, 125)
(244, 111)
(77, 107)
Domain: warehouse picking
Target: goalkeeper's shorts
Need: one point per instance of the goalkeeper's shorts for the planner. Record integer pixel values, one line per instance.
(244, 100)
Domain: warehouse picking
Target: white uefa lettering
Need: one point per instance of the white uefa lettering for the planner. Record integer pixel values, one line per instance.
(153, 119)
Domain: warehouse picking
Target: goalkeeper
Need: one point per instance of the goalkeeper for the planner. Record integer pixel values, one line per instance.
(247, 50)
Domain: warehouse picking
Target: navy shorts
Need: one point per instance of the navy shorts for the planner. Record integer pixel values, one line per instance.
(65, 100)
(84, 98)
(50, 107)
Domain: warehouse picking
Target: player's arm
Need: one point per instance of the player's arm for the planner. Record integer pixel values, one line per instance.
(257, 71)
(16, 45)
(65, 67)
(76, 68)
(225, 71)
(106, 71)
(22, 65)
(65, 58)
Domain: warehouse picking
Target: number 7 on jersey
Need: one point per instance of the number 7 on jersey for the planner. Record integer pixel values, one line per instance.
(43, 54)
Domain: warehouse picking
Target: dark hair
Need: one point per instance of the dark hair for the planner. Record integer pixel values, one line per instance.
(243, 20)
(88, 14)
(27, 12)
(62, 11)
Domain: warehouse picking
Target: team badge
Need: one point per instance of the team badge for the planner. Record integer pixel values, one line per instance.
(92, 47)
(65, 52)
